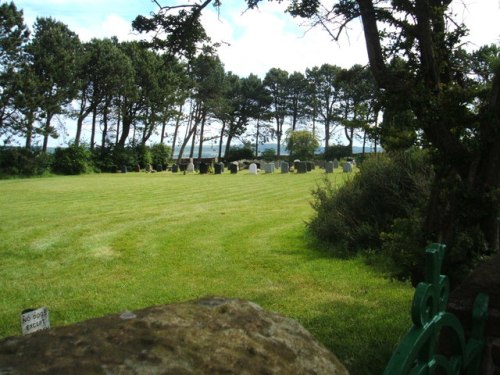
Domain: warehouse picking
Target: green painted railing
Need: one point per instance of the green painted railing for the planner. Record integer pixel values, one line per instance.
(419, 352)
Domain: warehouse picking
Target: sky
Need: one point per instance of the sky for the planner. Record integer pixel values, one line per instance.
(253, 41)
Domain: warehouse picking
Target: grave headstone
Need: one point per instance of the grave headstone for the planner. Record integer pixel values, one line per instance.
(335, 163)
(302, 167)
(252, 169)
(270, 168)
(285, 168)
(203, 168)
(218, 168)
(159, 168)
(190, 166)
(233, 168)
(175, 168)
(347, 167)
(322, 164)
(309, 166)
(137, 168)
(222, 166)
(329, 167)
(33, 320)
(124, 168)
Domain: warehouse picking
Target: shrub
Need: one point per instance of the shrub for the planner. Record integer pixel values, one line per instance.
(336, 152)
(103, 159)
(160, 154)
(383, 202)
(269, 154)
(144, 156)
(23, 162)
(124, 156)
(72, 160)
(239, 153)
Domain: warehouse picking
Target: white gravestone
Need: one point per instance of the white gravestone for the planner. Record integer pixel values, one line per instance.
(347, 167)
(252, 169)
(190, 167)
(34, 320)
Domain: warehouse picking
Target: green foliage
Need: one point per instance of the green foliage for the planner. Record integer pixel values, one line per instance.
(239, 153)
(269, 154)
(22, 162)
(336, 152)
(125, 156)
(301, 145)
(103, 159)
(388, 191)
(160, 154)
(144, 155)
(72, 160)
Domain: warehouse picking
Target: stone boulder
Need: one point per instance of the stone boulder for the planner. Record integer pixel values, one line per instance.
(207, 336)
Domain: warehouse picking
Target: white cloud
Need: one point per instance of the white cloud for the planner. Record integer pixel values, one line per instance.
(266, 38)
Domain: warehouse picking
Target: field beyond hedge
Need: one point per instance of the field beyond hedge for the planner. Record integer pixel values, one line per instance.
(86, 246)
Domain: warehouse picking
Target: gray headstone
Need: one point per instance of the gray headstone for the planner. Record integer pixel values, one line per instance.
(285, 168)
(335, 163)
(269, 168)
(302, 167)
(329, 167)
(347, 167)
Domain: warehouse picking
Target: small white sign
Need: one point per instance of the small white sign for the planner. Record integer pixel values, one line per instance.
(35, 320)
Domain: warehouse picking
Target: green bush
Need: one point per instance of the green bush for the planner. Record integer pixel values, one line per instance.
(337, 152)
(379, 209)
(269, 154)
(160, 154)
(239, 153)
(22, 162)
(72, 160)
(144, 156)
(125, 156)
(103, 159)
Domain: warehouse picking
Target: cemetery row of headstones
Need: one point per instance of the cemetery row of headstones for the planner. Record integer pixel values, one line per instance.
(253, 168)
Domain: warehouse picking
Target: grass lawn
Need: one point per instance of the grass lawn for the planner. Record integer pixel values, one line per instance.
(86, 246)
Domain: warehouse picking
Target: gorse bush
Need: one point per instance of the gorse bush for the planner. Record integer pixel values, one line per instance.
(388, 195)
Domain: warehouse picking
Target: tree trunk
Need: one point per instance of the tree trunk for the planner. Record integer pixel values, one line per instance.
(92, 134)
(257, 139)
(221, 139)
(202, 129)
(46, 132)
(177, 123)
(30, 120)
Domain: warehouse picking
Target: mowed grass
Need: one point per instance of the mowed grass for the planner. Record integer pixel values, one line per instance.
(86, 246)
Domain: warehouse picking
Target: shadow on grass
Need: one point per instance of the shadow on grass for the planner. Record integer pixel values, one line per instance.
(355, 335)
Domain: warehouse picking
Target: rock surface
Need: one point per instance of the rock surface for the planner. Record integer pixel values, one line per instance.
(206, 336)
